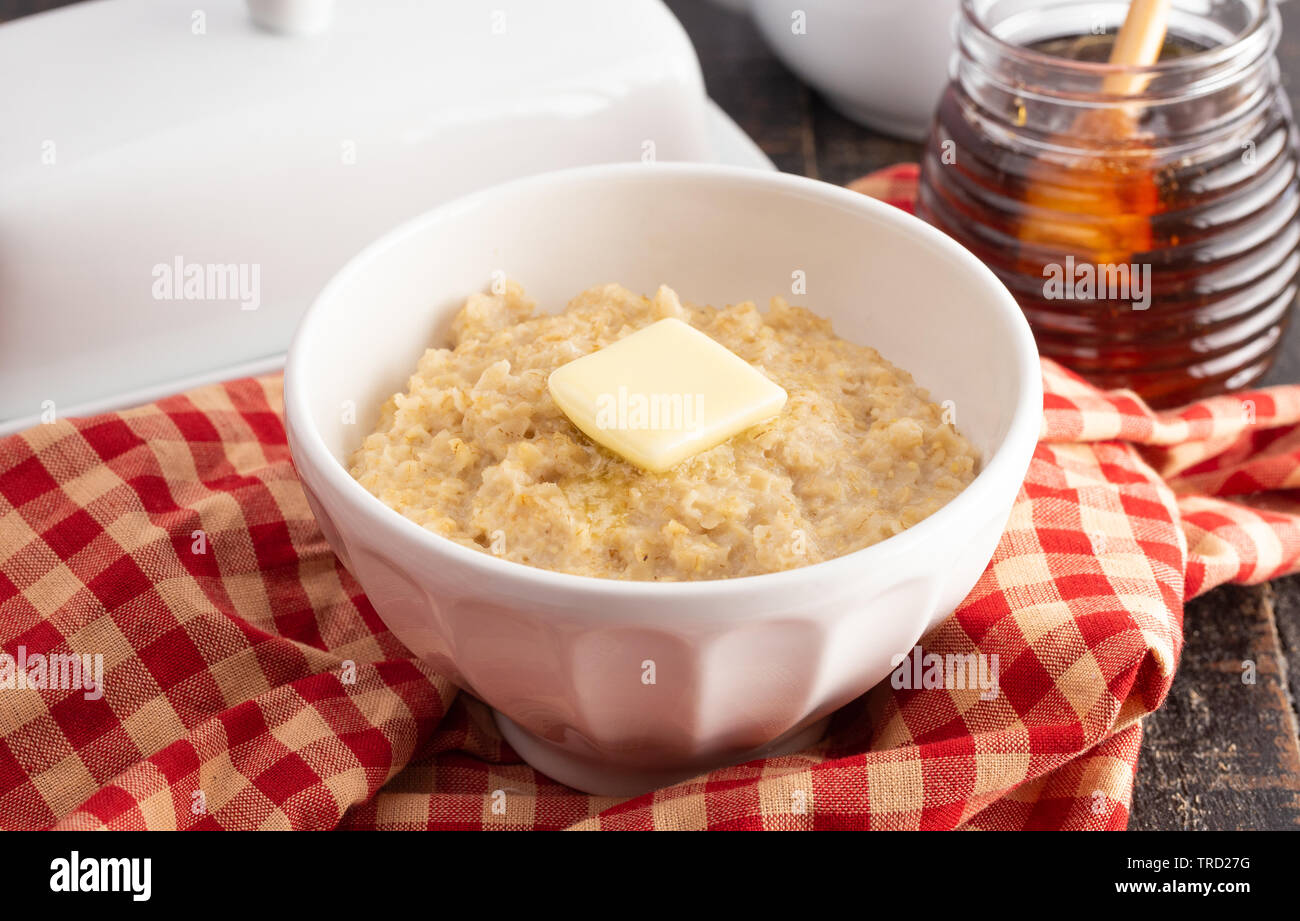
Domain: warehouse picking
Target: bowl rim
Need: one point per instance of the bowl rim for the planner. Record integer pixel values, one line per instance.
(1009, 460)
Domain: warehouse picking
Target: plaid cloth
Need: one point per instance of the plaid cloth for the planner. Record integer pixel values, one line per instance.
(247, 682)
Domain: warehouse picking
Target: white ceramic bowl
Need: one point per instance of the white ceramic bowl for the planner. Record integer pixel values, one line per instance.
(883, 63)
(741, 667)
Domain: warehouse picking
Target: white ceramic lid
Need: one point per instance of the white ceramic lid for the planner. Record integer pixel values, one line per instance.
(176, 185)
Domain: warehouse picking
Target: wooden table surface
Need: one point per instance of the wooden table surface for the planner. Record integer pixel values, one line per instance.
(1220, 754)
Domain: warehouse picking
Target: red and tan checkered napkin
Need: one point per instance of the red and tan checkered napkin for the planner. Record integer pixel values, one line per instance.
(174, 542)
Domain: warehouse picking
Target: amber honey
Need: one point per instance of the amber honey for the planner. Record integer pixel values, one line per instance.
(1152, 241)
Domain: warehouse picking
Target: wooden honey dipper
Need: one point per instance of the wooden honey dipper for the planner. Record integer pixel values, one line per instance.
(1101, 210)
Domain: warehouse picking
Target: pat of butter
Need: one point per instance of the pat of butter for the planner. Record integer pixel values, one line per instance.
(663, 394)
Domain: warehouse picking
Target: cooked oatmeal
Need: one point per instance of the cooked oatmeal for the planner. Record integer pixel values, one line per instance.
(477, 451)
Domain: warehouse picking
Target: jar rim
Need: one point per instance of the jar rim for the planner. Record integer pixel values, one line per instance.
(1265, 15)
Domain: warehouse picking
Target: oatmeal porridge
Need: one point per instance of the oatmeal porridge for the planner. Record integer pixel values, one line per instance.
(476, 449)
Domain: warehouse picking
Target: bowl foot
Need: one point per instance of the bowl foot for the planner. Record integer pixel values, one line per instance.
(602, 779)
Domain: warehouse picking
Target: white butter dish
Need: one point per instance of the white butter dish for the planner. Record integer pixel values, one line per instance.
(176, 185)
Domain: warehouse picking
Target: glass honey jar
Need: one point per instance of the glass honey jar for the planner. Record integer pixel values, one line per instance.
(1145, 218)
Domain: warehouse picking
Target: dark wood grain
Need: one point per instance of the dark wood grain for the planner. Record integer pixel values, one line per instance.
(1286, 614)
(1220, 753)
